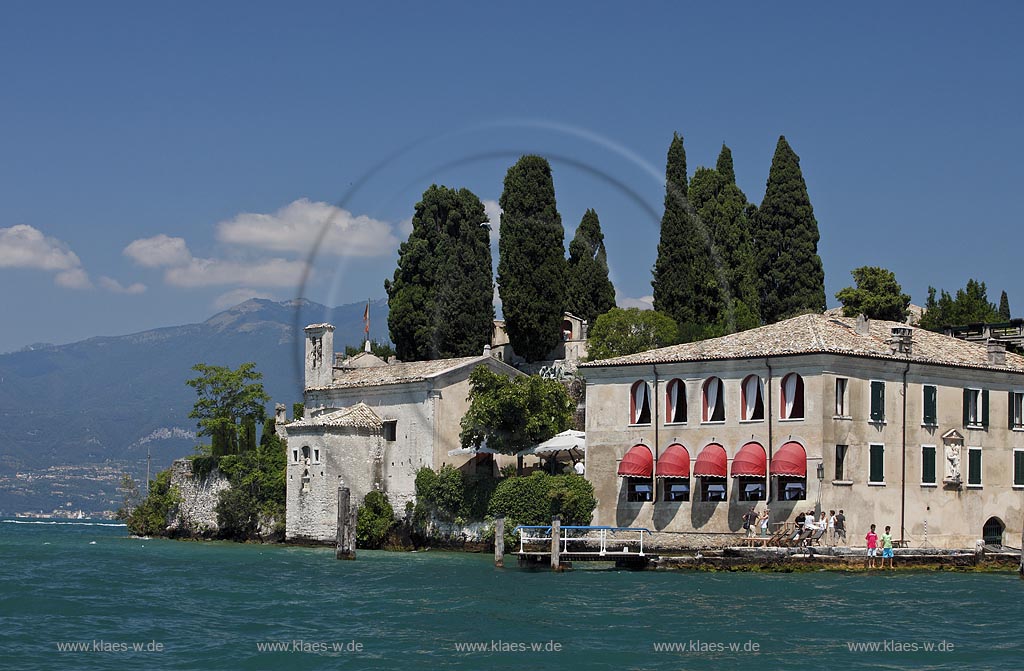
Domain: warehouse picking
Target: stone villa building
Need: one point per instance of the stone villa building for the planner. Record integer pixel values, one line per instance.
(370, 425)
(893, 424)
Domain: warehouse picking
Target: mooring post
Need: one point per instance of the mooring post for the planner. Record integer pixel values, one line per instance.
(499, 542)
(556, 542)
(346, 527)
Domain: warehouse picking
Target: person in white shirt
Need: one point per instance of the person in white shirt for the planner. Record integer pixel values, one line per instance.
(578, 467)
(832, 527)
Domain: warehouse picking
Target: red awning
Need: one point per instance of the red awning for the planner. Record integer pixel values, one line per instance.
(711, 462)
(750, 461)
(790, 460)
(674, 462)
(638, 462)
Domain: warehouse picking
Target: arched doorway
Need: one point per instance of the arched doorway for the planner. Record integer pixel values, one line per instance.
(992, 532)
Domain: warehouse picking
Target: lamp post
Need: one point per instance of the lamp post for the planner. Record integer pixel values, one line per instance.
(821, 478)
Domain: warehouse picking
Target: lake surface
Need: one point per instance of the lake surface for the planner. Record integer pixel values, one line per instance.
(147, 603)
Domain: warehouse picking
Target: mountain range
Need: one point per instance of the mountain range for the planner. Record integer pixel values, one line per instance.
(75, 416)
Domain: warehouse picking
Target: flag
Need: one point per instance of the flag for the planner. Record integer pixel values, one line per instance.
(366, 319)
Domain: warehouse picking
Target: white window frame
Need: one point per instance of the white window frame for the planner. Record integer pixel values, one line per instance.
(844, 399)
(681, 383)
(975, 403)
(719, 399)
(981, 465)
(782, 405)
(632, 400)
(935, 465)
(1015, 426)
(743, 397)
(876, 483)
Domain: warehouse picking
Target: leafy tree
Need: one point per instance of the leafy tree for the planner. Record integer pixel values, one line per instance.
(511, 414)
(257, 493)
(374, 521)
(269, 432)
(531, 266)
(627, 331)
(381, 350)
(725, 291)
(785, 240)
(674, 274)
(298, 410)
(151, 517)
(130, 496)
(440, 300)
(1004, 308)
(227, 401)
(589, 292)
(969, 306)
(877, 295)
(536, 498)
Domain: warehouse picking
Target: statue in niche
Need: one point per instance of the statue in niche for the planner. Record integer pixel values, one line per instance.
(954, 443)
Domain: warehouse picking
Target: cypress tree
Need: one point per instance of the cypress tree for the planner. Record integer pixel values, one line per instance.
(440, 300)
(673, 281)
(1004, 307)
(727, 291)
(531, 264)
(465, 286)
(785, 239)
(589, 292)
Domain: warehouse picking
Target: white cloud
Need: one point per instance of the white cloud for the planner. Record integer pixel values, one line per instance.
(236, 296)
(405, 227)
(113, 286)
(297, 227)
(160, 251)
(494, 216)
(24, 246)
(213, 272)
(643, 302)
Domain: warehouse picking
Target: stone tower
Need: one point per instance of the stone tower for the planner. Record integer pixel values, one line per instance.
(319, 362)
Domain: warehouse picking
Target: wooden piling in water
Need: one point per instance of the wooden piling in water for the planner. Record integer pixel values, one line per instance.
(556, 537)
(346, 536)
(499, 542)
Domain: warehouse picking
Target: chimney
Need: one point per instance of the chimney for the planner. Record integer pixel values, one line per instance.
(860, 327)
(996, 352)
(280, 414)
(487, 350)
(901, 340)
(366, 346)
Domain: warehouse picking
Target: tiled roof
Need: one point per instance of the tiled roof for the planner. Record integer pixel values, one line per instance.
(816, 333)
(360, 416)
(399, 373)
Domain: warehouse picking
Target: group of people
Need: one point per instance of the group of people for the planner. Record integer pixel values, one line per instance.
(832, 525)
(874, 540)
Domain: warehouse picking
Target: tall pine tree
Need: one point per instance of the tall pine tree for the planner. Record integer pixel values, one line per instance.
(785, 240)
(589, 292)
(440, 299)
(728, 287)
(1004, 307)
(531, 264)
(678, 245)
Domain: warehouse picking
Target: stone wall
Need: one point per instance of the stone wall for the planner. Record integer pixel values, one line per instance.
(196, 515)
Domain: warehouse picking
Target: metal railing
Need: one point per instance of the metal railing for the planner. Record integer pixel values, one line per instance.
(565, 538)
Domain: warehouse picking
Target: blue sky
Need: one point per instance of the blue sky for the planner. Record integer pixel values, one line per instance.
(158, 162)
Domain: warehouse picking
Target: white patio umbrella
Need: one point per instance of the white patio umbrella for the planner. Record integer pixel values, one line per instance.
(567, 441)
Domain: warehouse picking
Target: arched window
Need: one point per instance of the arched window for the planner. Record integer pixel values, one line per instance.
(305, 453)
(713, 400)
(792, 397)
(566, 329)
(639, 403)
(675, 402)
(753, 398)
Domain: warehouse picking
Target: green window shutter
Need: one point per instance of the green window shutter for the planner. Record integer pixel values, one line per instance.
(967, 407)
(877, 470)
(877, 401)
(928, 465)
(974, 467)
(1009, 411)
(984, 408)
(1018, 468)
(930, 405)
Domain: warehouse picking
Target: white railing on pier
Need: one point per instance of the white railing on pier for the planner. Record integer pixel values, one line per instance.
(607, 546)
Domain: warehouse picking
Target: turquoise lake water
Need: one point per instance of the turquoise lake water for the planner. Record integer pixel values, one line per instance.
(221, 605)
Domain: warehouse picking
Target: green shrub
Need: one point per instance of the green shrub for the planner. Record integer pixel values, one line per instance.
(535, 499)
(257, 491)
(151, 516)
(451, 494)
(374, 521)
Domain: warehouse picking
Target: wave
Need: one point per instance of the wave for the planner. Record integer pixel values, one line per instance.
(74, 524)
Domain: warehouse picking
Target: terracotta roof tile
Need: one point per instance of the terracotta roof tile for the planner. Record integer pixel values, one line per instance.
(398, 373)
(360, 416)
(816, 333)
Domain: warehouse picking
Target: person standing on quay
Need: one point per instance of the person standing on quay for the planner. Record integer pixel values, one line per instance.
(841, 527)
(872, 539)
(887, 547)
(832, 528)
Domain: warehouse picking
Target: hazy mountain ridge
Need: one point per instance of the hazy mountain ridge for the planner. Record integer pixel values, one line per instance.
(96, 401)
